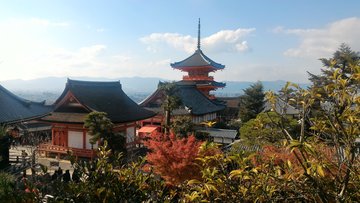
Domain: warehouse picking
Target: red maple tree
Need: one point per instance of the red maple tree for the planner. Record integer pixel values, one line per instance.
(173, 158)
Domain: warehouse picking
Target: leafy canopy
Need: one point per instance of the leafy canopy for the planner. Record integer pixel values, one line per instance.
(252, 102)
(265, 128)
(173, 158)
(101, 128)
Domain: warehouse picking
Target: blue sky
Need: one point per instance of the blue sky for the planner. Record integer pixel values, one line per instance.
(255, 40)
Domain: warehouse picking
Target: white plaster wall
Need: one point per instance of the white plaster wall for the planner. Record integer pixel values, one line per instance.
(75, 139)
(130, 134)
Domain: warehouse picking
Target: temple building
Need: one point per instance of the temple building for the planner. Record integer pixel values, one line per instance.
(193, 90)
(193, 103)
(78, 99)
(16, 111)
(198, 66)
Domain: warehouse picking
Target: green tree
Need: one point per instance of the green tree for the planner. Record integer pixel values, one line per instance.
(171, 102)
(182, 126)
(331, 108)
(7, 183)
(104, 181)
(252, 102)
(266, 128)
(341, 61)
(110, 182)
(101, 128)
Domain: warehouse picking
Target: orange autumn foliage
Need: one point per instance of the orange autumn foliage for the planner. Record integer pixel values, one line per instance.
(173, 158)
(277, 155)
(280, 156)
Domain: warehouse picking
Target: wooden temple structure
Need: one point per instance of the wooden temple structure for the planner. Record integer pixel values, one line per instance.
(193, 90)
(78, 99)
(198, 66)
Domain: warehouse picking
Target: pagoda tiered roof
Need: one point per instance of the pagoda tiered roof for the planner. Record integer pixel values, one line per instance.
(15, 109)
(198, 59)
(196, 101)
(92, 96)
(198, 66)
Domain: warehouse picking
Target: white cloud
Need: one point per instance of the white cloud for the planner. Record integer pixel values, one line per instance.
(175, 40)
(28, 50)
(61, 62)
(85, 56)
(242, 46)
(322, 42)
(228, 40)
(222, 41)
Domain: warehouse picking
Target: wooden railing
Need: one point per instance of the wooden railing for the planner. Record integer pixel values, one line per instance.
(186, 77)
(64, 150)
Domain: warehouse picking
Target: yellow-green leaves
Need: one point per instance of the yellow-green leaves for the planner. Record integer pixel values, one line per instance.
(320, 171)
(307, 147)
(236, 173)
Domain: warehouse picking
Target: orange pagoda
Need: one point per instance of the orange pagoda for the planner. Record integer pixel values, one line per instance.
(198, 66)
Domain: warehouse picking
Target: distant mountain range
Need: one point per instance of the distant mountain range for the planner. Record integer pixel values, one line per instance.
(138, 88)
(134, 84)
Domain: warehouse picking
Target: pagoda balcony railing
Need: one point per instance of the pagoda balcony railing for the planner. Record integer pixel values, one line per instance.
(193, 77)
(50, 148)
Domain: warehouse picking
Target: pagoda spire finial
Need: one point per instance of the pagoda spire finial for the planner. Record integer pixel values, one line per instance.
(198, 43)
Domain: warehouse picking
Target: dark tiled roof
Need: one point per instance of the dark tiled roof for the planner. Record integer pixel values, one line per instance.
(197, 59)
(105, 97)
(15, 109)
(192, 100)
(219, 133)
(34, 126)
(177, 112)
(281, 107)
(62, 117)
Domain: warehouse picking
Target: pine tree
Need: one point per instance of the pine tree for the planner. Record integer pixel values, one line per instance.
(170, 103)
(342, 60)
(182, 126)
(252, 102)
(340, 65)
(101, 128)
